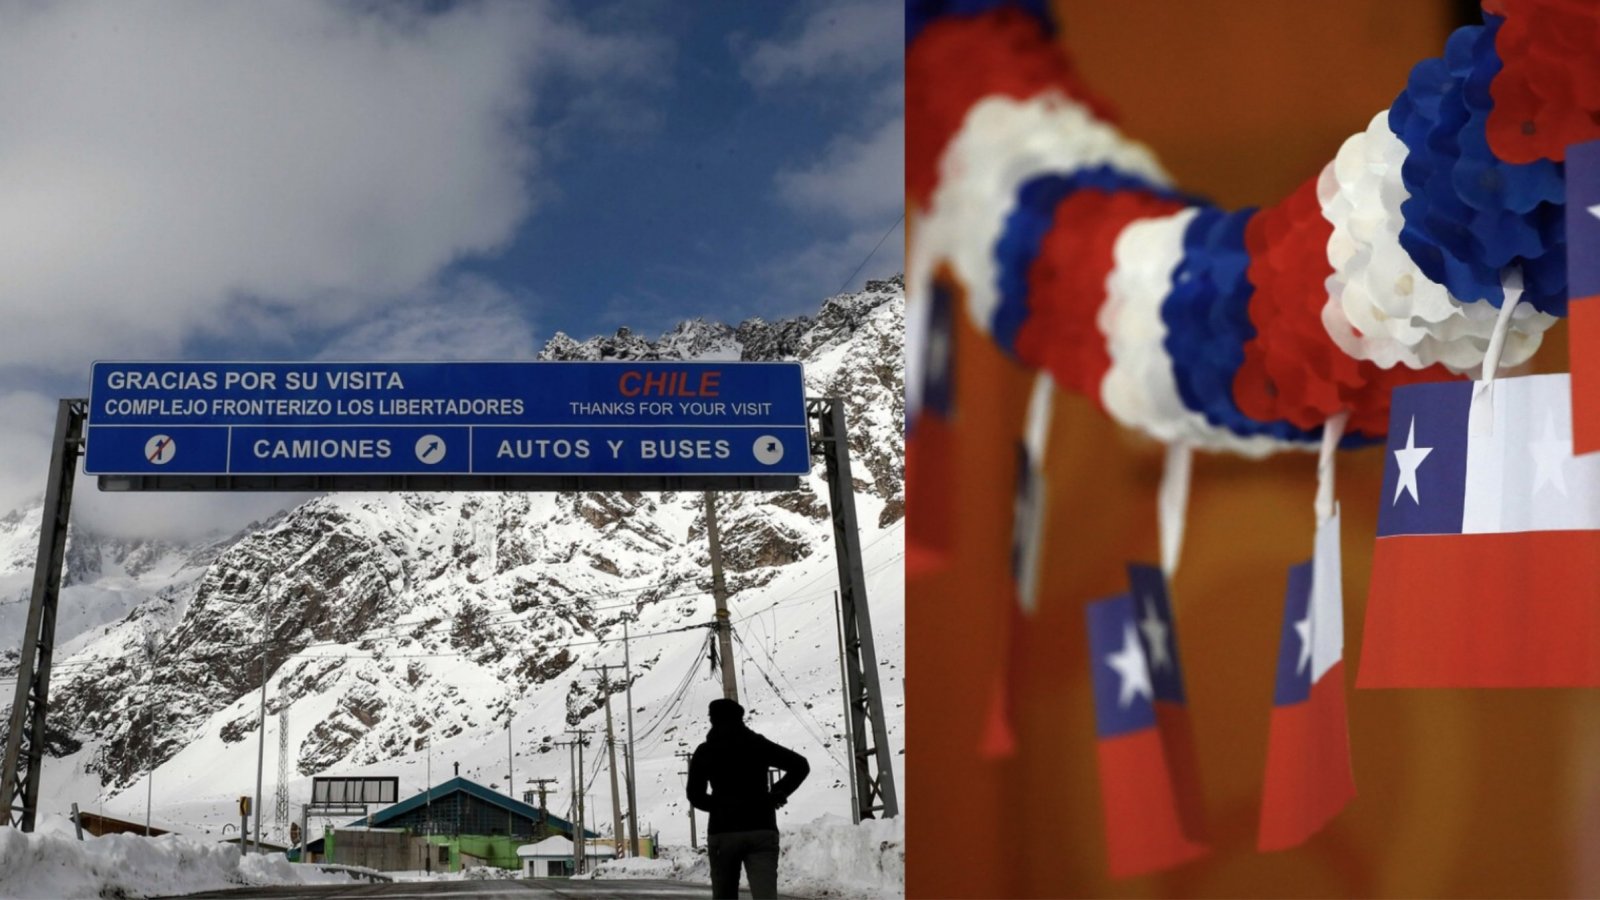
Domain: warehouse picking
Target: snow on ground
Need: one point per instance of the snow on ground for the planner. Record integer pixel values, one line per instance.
(680, 866)
(52, 863)
(827, 857)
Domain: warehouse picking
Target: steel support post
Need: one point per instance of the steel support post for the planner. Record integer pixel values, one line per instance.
(875, 792)
(25, 741)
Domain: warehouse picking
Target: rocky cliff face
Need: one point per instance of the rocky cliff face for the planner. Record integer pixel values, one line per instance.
(393, 627)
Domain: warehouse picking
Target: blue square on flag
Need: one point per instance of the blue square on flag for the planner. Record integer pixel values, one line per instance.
(1153, 610)
(1294, 644)
(1425, 467)
(1583, 224)
(938, 395)
(1121, 674)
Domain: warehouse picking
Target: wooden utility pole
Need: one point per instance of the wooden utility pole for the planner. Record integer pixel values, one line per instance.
(611, 751)
(511, 773)
(719, 592)
(581, 843)
(544, 814)
(694, 833)
(572, 790)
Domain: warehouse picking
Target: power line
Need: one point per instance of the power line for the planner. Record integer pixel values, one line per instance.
(874, 252)
(675, 699)
(821, 741)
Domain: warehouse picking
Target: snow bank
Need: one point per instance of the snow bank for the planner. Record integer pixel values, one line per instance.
(827, 857)
(52, 863)
(830, 857)
(668, 868)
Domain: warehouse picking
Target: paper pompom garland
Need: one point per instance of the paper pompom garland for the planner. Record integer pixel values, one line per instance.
(1208, 322)
(1384, 270)
(1291, 371)
(1055, 254)
(1140, 390)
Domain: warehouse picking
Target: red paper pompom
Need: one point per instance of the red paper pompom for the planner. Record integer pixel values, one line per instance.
(1067, 285)
(956, 62)
(1547, 93)
(1292, 369)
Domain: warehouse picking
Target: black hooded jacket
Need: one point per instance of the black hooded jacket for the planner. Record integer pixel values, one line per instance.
(734, 762)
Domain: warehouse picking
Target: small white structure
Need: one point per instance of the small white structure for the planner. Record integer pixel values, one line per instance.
(549, 858)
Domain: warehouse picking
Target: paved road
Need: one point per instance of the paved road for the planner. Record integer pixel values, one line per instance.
(608, 889)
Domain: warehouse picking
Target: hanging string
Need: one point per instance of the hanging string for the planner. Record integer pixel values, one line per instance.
(1172, 504)
(1332, 433)
(1483, 389)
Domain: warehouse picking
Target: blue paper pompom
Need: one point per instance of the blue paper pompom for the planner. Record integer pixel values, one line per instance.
(1470, 215)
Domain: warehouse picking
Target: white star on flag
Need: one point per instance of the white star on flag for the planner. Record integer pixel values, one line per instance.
(1130, 665)
(1155, 634)
(1303, 629)
(1409, 458)
(1550, 455)
(1595, 210)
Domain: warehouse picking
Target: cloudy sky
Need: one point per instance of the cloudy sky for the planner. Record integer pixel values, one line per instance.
(304, 179)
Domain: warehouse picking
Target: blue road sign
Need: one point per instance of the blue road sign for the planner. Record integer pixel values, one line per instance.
(364, 418)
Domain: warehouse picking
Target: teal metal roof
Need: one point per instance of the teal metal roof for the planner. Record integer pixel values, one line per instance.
(471, 788)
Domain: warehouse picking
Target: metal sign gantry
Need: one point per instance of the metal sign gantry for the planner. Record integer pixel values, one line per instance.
(829, 437)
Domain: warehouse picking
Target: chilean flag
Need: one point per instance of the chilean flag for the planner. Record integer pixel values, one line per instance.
(1144, 828)
(930, 411)
(1487, 561)
(1027, 535)
(1153, 607)
(1308, 778)
(1583, 287)
(999, 736)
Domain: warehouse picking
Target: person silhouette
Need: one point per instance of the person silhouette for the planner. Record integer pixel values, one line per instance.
(743, 823)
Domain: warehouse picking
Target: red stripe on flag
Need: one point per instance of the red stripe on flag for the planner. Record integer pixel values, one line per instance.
(1308, 777)
(930, 496)
(1484, 610)
(1177, 741)
(999, 729)
(1143, 829)
(1584, 339)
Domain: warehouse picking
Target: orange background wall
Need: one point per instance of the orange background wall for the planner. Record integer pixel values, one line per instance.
(1460, 793)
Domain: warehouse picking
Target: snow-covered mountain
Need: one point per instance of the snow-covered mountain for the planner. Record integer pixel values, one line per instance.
(407, 630)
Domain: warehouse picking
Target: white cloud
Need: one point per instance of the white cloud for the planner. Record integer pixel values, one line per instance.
(816, 270)
(30, 419)
(861, 179)
(858, 179)
(835, 39)
(173, 516)
(282, 170)
(158, 162)
(466, 319)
